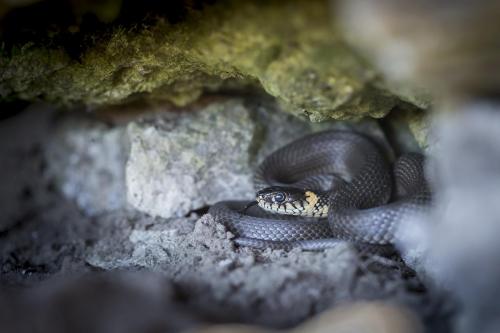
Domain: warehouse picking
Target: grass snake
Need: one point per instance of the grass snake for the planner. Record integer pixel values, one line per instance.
(324, 188)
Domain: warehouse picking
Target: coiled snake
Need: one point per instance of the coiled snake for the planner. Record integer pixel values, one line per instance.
(334, 186)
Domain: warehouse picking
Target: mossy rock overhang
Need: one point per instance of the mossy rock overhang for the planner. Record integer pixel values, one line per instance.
(108, 55)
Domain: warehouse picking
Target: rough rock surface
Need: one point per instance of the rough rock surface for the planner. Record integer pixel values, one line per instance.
(286, 47)
(181, 162)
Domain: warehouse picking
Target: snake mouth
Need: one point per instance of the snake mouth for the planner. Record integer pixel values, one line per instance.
(249, 205)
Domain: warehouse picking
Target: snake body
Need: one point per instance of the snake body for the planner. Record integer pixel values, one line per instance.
(339, 186)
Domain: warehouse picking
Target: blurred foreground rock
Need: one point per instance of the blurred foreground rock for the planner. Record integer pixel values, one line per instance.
(459, 246)
(146, 302)
(362, 317)
(443, 49)
(86, 159)
(98, 303)
(22, 165)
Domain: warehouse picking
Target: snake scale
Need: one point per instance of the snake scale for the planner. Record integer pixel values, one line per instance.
(324, 188)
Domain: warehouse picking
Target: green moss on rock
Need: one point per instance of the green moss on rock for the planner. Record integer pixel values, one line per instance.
(287, 47)
(419, 124)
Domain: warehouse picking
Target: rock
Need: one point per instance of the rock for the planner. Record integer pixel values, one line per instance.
(272, 288)
(460, 237)
(100, 302)
(365, 317)
(82, 157)
(396, 35)
(408, 129)
(180, 162)
(372, 317)
(22, 140)
(289, 49)
(87, 161)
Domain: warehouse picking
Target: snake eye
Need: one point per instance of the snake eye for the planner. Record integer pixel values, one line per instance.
(279, 197)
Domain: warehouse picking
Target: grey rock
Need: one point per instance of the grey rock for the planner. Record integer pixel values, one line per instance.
(270, 287)
(86, 158)
(22, 139)
(465, 247)
(180, 162)
(457, 246)
(101, 302)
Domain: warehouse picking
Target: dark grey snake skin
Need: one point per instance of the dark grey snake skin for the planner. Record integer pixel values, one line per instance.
(367, 198)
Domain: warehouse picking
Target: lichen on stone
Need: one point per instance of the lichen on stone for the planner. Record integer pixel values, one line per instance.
(289, 48)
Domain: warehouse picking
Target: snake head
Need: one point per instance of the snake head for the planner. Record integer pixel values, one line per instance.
(282, 200)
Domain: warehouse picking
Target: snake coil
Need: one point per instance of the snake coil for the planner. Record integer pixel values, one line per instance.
(367, 199)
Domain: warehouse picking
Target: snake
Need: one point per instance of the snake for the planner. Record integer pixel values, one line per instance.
(325, 188)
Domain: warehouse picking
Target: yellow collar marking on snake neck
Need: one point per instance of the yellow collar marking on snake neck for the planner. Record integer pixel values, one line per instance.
(312, 200)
